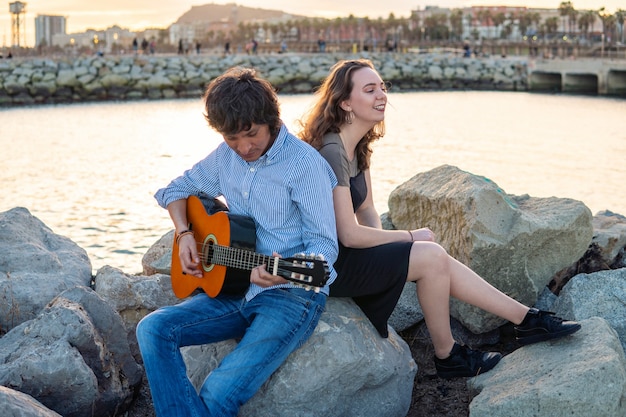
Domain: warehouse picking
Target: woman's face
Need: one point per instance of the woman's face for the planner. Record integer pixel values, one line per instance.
(368, 97)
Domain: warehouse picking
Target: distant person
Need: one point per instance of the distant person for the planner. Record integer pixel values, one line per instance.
(10, 55)
(135, 46)
(467, 52)
(180, 47)
(267, 174)
(198, 45)
(374, 264)
(255, 46)
(227, 47)
(321, 45)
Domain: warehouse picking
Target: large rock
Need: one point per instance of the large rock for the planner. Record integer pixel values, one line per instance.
(517, 243)
(73, 357)
(610, 235)
(601, 294)
(344, 369)
(158, 258)
(580, 375)
(376, 374)
(606, 251)
(17, 404)
(35, 266)
(133, 297)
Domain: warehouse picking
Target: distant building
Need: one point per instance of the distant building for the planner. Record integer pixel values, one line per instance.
(46, 27)
(104, 41)
(89, 38)
(480, 22)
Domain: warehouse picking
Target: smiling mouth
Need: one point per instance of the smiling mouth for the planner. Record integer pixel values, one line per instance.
(380, 107)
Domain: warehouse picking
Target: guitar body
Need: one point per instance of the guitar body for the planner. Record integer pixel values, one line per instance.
(220, 228)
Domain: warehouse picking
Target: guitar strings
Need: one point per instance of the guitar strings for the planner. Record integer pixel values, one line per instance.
(247, 260)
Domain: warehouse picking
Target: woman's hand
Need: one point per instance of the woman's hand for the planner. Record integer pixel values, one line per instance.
(423, 234)
(262, 278)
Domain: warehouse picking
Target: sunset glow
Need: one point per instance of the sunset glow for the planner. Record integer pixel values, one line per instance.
(140, 14)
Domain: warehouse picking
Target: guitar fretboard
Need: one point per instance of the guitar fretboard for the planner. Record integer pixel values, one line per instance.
(238, 258)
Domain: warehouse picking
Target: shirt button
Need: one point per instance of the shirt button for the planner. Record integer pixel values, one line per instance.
(252, 169)
(245, 194)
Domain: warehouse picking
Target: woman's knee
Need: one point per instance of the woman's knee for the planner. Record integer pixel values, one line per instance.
(429, 255)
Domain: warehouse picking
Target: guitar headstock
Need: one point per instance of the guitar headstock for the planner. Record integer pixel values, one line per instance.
(309, 271)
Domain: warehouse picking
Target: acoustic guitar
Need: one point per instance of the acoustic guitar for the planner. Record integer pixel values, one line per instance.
(226, 244)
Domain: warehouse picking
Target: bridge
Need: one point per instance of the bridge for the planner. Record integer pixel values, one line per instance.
(581, 76)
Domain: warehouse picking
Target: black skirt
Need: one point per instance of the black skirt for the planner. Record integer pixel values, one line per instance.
(374, 278)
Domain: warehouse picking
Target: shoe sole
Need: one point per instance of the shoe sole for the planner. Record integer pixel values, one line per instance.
(547, 336)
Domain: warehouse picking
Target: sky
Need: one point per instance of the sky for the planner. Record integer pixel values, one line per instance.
(139, 14)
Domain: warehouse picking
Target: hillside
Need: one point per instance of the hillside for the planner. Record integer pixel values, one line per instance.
(220, 12)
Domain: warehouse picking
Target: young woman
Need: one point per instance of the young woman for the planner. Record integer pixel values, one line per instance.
(374, 264)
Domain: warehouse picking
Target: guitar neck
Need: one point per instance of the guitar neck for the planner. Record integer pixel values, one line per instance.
(241, 258)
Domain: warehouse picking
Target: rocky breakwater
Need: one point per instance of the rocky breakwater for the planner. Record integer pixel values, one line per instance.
(45, 81)
(68, 346)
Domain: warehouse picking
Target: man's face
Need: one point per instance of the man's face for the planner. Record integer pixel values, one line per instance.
(250, 144)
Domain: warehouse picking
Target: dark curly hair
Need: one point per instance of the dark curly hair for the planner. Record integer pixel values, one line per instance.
(237, 99)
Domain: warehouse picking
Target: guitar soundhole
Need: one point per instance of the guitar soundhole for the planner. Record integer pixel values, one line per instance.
(207, 252)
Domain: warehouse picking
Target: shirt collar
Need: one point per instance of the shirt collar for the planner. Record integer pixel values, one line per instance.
(272, 152)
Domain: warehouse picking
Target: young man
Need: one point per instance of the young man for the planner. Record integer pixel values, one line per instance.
(285, 186)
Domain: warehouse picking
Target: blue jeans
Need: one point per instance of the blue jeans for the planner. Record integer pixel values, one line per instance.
(271, 326)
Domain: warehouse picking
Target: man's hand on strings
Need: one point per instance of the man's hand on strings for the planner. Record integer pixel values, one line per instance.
(188, 254)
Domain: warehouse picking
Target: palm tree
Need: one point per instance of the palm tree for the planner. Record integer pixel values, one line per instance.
(565, 10)
(456, 22)
(604, 18)
(620, 17)
(498, 20)
(551, 25)
(484, 17)
(585, 23)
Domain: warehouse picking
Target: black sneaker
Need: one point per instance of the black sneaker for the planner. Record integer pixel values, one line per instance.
(465, 362)
(539, 325)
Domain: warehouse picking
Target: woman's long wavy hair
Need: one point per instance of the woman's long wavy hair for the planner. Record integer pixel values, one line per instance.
(327, 115)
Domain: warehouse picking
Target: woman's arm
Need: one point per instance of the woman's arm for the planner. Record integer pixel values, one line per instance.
(367, 215)
(363, 229)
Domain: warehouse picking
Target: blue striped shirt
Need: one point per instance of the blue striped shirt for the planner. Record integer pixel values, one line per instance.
(288, 193)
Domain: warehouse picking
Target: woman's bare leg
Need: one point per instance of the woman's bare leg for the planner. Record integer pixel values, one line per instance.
(429, 268)
(437, 276)
(468, 286)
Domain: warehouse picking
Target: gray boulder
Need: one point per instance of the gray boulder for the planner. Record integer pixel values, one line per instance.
(158, 258)
(606, 251)
(377, 374)
(17, 404)
(133, 297)
(35, 266)
(580, 375)
(601, 294)
(73, 357)
(344, 369)
(517, 243)
(610, 235)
